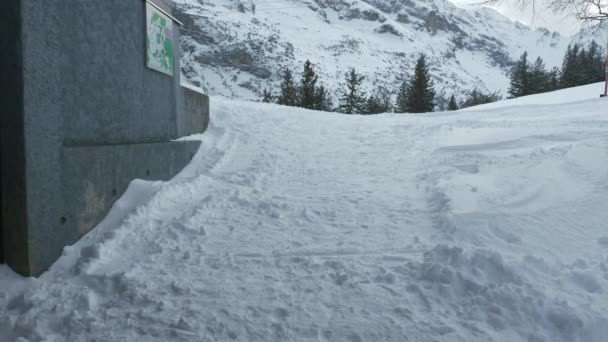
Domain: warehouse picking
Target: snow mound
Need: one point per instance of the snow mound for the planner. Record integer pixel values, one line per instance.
(491, 299)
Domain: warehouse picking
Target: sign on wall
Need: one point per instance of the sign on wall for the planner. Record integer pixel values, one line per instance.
(159, 31)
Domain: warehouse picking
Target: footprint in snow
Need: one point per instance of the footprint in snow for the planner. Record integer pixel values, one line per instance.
(338, 278)
(354, 337)
(603, 241)
(280, 314)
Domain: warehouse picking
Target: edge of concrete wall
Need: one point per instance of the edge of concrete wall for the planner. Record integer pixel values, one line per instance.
(194, 114)
(12, 138)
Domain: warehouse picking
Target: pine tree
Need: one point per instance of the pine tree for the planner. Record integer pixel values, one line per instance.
(384, 96)
(452, 105)
(594, 64)
(601, 65)
(476, 97)
(288, 96)
(420, 95)
(600, 62)
(570, 66)
(401, 104)
(373, 106)
(352, 97)
(322, 100)
(581, 67)
(520, 84)
(538, 77)
(553, 79)
(308, 86)
(267, 96)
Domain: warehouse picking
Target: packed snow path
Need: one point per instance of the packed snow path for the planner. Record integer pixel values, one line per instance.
(292, 225)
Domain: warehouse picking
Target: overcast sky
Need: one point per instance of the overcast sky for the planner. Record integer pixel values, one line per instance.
(543, 17)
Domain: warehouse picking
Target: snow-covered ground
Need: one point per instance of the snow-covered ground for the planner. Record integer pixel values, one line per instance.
(294, 225)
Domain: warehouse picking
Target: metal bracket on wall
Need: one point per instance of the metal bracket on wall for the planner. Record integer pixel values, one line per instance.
(164, 12)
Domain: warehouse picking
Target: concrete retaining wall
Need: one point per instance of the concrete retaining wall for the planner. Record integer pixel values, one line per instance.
(12, 161)
(195, 112)
(84, 117)
(95, 176)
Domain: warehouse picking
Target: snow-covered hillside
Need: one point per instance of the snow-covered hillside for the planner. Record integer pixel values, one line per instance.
(294, 225)
(234, 51)
(597, 31)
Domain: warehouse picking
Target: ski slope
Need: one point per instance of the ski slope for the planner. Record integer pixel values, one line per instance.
(295, 225)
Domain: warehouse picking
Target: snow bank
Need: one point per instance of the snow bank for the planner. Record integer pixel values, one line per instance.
(296, 225)
(239, 52)
(577, 94)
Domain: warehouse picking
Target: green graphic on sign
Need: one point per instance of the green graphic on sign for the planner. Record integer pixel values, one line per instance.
(159, 30)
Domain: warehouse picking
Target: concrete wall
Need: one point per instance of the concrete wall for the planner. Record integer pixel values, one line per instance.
(12, 156)
(85, 117)
(98, 175)
(105, 51)
(194, 111)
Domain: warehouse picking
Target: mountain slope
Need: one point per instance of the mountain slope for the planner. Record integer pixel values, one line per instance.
(233, 50)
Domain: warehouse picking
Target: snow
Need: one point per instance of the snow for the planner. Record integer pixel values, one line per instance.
(295, 225)
(583, 93)
(193, 88)
(495, 79)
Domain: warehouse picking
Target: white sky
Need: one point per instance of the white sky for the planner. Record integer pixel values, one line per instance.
(544, 17)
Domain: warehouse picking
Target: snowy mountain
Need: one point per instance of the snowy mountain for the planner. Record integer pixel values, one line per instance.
(236, 48)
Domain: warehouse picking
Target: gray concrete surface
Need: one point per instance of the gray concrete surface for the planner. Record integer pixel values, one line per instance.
(95, 176)
(195, 112)
(105, 51)
(12, 156)
(83, 112)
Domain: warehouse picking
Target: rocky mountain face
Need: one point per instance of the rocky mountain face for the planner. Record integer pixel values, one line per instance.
(236, 48)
